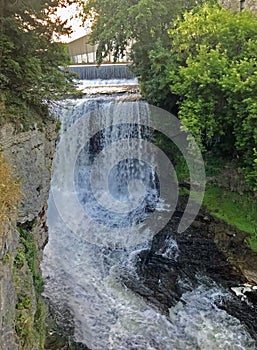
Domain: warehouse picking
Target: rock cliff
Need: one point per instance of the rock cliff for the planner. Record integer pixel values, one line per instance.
(22, 312)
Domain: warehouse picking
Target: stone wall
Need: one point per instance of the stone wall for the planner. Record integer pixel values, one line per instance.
(251, 5)
(30, 154)
(236, 5)
(230, 4)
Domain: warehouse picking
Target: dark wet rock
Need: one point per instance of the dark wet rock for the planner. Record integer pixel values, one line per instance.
(244, 311)
(158, 282)
(252, 296)
(60, 329)
(232, 243)
(209, 248)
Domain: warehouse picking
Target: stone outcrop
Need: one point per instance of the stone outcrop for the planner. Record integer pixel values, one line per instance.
(21, 243)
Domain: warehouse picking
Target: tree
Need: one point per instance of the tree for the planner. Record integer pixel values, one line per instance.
(115, 24)
(213, 62)
(31, 63)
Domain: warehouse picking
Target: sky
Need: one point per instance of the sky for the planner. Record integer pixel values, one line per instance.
(78, 29)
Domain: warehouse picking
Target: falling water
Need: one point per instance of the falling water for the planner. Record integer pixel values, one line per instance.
(85, 259)
(105, 72)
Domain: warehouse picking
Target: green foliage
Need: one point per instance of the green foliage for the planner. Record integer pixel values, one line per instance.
(6, 258)
(31, 64)
(154, 74)
(20, 258)
(27, 240)
(30, 326)
(24, 321)
(24, 317)
(213, 59)
(210, 65)
(28, 252)
(30, 309)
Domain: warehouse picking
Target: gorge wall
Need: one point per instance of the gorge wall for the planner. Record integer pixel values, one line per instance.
(22, 312)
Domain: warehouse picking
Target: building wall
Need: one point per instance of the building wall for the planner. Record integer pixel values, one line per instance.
(80, 51)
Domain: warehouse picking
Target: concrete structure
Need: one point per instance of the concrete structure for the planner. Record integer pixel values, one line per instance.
(82, 52)
(239, 5)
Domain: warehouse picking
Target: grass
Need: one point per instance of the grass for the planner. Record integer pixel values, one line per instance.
(236, 209)
(9, 191)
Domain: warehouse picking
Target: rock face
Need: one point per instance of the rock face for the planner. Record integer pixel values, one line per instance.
(21, 311)
(31, 154)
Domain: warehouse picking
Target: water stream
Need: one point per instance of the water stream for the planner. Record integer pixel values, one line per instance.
(88, 255)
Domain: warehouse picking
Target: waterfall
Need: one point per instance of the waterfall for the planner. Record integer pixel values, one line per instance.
(105, 71)
(105, 187)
